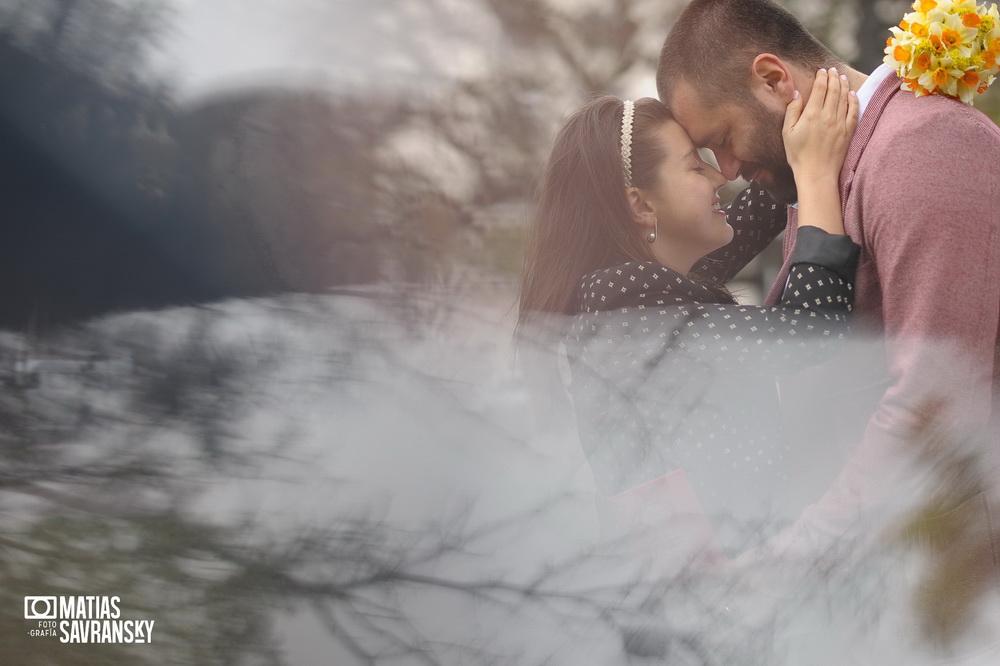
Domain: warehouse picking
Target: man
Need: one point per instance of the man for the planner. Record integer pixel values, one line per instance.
(920, 193)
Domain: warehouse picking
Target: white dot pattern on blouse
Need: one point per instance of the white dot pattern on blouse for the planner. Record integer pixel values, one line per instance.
(670, 372)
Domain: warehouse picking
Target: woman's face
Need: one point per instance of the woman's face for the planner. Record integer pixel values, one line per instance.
(684, 198)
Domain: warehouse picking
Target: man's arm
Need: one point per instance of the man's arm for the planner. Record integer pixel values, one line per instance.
(930, 209)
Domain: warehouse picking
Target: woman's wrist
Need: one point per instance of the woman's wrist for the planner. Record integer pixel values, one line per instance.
(819, 206)
(816, 179)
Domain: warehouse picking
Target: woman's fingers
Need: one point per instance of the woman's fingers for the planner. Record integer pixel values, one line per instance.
(847, 106)
(818, 130)
(817, 98)
(831, 105)
(833, 82)
(839, 105)
(853, 109)
(793, 112)
(797, 107)
(843, 96)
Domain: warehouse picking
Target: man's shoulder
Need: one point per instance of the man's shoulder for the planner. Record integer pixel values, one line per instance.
(928, 157)
(916, 123)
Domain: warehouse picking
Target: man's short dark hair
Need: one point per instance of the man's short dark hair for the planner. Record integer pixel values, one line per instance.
(713, 42)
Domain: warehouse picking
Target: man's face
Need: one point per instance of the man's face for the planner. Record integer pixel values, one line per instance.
(744, 135)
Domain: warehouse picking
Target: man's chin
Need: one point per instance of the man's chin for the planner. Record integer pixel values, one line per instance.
(781, 190)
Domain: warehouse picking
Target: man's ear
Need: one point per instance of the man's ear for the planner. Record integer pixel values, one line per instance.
(641, 209)
(771, 81)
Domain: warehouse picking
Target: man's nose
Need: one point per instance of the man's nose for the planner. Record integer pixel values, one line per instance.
(718, 178)
(728, 165)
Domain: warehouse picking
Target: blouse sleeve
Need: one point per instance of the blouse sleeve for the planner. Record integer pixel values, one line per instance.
(807, 327)
(756, 220)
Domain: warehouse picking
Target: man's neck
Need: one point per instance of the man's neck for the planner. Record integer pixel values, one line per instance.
(855, 78)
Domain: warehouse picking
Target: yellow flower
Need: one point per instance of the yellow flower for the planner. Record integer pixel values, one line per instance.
(951, 38)
(972, 20)
(946, 47)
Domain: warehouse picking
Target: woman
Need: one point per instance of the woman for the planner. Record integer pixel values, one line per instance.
(668, 371)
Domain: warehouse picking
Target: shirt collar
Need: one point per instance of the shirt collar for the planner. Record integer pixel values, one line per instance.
(867, 89)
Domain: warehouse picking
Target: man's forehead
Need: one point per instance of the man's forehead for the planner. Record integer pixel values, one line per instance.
(701, 121)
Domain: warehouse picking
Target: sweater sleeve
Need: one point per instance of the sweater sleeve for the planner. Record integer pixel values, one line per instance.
(808, 326)
(756, 220)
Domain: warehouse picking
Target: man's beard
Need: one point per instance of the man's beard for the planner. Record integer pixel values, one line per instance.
(768, 149)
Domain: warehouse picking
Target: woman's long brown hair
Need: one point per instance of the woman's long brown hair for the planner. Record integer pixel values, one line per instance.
(583, 222)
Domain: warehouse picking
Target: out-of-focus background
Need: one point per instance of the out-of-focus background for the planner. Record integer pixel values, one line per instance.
(168, 152)
(258, 271)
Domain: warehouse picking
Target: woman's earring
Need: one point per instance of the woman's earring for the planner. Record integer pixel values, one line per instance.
(651, 236)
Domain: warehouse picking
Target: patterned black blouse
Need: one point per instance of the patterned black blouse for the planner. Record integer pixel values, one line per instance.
(668, 371)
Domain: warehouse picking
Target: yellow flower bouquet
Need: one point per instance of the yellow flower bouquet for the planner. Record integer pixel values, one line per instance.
(946, 47)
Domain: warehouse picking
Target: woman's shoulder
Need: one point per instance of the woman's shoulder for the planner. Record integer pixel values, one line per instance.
(635, 283)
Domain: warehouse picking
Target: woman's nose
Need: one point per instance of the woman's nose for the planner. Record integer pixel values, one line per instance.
(719, 178)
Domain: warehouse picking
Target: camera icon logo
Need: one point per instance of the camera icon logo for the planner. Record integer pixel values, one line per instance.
(40, 608)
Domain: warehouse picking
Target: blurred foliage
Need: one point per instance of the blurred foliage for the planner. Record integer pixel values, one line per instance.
(164, 568)
(83, 152)
(953, 530)
(105, 41)
(125, 501)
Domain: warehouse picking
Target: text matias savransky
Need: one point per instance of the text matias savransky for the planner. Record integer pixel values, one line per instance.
(85, 619)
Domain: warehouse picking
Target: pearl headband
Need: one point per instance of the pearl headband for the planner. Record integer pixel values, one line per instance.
(627, 114)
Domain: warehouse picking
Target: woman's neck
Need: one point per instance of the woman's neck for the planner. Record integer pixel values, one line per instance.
(672, 257)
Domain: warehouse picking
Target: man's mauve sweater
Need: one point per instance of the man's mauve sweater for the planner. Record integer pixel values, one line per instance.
(920, 190)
